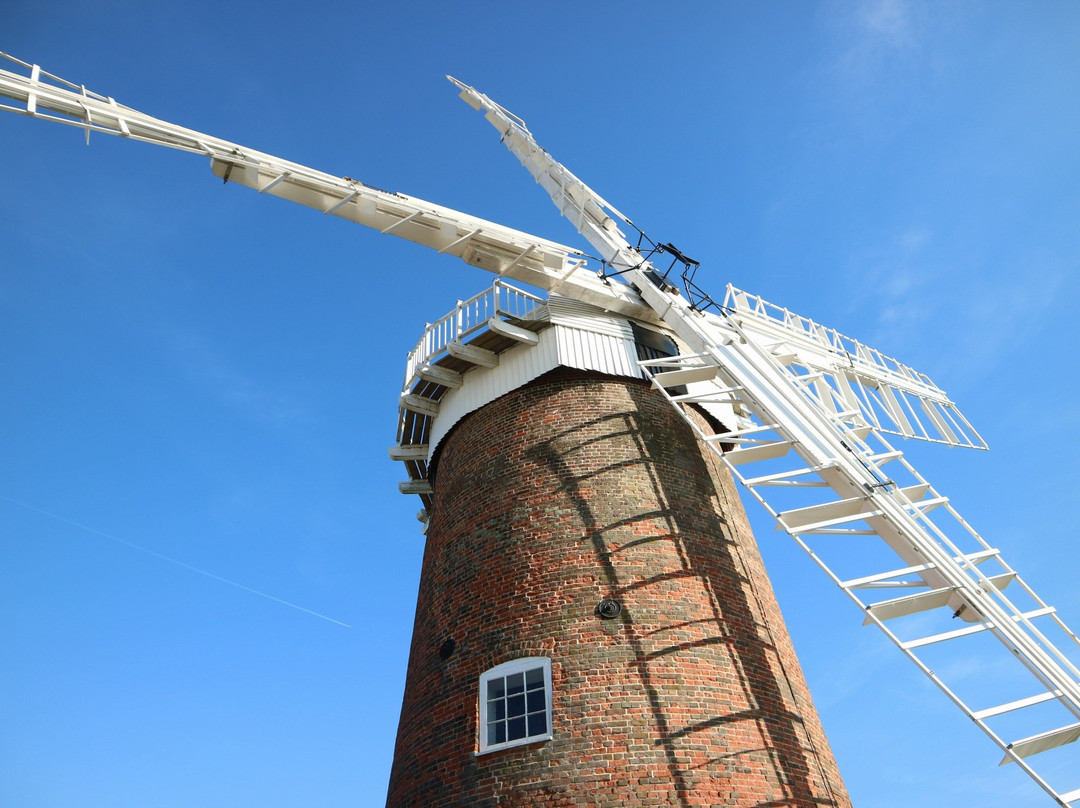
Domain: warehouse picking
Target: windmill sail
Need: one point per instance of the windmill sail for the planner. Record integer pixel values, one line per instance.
(488, 245)
(809, 446)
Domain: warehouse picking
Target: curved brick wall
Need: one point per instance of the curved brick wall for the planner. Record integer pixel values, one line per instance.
(575, 488)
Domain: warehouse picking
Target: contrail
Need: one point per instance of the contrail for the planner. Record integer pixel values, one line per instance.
(177, 562)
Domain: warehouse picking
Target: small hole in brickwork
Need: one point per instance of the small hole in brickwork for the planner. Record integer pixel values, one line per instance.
(447, 648)
(609, 609)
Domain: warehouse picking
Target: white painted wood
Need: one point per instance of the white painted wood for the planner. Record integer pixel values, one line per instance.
(424, 406)
(470, 353)
(415, 487)
(418, 451)
(1018, 704)
(1043, 742)
(675, 378)
(589, 350)
(512, 331)
(438, 375)
(572, 313)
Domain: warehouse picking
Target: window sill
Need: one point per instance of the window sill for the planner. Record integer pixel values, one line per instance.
(513, 744)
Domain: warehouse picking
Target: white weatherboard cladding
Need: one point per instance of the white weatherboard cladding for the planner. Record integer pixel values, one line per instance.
(587, 350)
(575, 314)
(610, 351)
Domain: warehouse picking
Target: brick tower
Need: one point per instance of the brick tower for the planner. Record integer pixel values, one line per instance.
(594, 626)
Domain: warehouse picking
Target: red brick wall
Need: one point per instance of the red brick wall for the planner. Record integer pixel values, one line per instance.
(575, 488)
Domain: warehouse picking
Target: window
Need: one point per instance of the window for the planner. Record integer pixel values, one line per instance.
(515, 704)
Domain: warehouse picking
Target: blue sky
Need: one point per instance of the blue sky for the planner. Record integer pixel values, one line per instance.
(212, 376)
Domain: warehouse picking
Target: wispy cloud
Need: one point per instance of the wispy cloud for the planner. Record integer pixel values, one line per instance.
(873, 37)
(229, 385)
(956, 310)
(896, 283)
(858, 667)
(888, 21)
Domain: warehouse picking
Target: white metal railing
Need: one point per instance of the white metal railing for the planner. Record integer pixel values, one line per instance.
(468, 317)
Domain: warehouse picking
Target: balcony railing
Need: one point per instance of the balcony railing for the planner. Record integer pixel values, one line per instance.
(468, 317)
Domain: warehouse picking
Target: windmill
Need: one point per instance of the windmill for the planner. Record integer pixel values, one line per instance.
(806, 409)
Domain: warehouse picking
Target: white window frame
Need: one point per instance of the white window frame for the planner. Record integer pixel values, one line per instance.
(505, 669)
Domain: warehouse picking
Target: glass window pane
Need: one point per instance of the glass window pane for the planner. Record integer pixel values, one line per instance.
(534, 678)
(516, 728)
(538, 723)
(515, 705)
(515, 700)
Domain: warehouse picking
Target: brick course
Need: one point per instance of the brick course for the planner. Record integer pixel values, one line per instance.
(575, 488)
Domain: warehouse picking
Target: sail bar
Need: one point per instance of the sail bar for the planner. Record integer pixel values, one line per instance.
(496, 248)
(586, 209)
